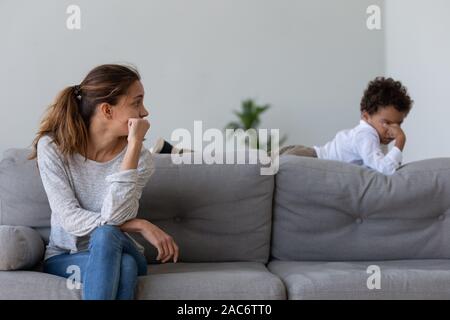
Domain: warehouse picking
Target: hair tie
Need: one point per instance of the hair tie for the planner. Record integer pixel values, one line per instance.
(77, 91)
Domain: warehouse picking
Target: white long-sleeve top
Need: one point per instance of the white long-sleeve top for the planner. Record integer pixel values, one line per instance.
(86, 194)
(361, 145)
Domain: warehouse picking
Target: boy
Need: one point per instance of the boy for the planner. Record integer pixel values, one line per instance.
(384, 106)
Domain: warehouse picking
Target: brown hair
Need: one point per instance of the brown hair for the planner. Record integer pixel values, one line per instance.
(382, 92)
(67, 120)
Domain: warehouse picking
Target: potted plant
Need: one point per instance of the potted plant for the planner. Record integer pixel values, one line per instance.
(249, 117)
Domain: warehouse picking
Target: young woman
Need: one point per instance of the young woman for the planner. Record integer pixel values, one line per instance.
(93, 166)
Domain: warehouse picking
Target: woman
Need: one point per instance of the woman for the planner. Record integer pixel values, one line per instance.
(93, 166)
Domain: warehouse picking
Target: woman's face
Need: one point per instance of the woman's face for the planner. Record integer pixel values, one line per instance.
(129, 106)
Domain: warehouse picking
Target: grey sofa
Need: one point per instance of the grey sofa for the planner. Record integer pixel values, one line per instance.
(312, 231)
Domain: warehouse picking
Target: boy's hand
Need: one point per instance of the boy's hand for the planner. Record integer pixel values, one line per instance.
(395, 132)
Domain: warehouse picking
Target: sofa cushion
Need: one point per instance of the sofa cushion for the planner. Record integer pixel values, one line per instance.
(23, 201)
(216, 213)
(32, 285)
(328, 210)
(187, 281)
(401, 279)
(44, 232)
(221, 281)
(20, 248)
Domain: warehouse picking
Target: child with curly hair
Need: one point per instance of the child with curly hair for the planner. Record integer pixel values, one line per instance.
(384, 106)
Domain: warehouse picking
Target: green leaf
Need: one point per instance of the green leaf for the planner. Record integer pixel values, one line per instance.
(249, 116)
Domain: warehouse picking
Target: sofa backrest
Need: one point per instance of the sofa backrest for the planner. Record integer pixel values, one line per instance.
(218, 212)
(331, 211)
(23, 201)
(214, 212)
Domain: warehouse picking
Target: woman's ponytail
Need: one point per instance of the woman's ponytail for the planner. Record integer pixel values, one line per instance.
(64, 123)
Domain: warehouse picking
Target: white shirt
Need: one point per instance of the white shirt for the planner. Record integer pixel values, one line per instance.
(361, 145)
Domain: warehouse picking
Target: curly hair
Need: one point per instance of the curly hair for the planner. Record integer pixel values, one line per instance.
(382, 92)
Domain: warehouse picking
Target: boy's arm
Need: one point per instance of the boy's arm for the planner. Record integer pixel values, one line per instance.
(368, 147)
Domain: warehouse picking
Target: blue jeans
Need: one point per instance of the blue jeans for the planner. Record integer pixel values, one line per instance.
(110, 268)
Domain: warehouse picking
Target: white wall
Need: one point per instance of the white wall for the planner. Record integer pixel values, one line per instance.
(199, 58)
(418, 54)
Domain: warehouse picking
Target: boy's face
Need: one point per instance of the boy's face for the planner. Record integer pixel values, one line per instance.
(382, 119)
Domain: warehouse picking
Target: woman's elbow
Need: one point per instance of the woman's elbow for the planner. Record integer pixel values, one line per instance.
(119, 217)
(75, 230)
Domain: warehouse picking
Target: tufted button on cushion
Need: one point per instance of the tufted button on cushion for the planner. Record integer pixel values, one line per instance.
(359, 220)
(177, 219)
(441, 217)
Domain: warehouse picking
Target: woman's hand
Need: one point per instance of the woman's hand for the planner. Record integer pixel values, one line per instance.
(137, 128)
(166, 246)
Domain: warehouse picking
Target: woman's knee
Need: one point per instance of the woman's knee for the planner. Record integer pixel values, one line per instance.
(128, 278)
(128, 268)
(106, 234)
